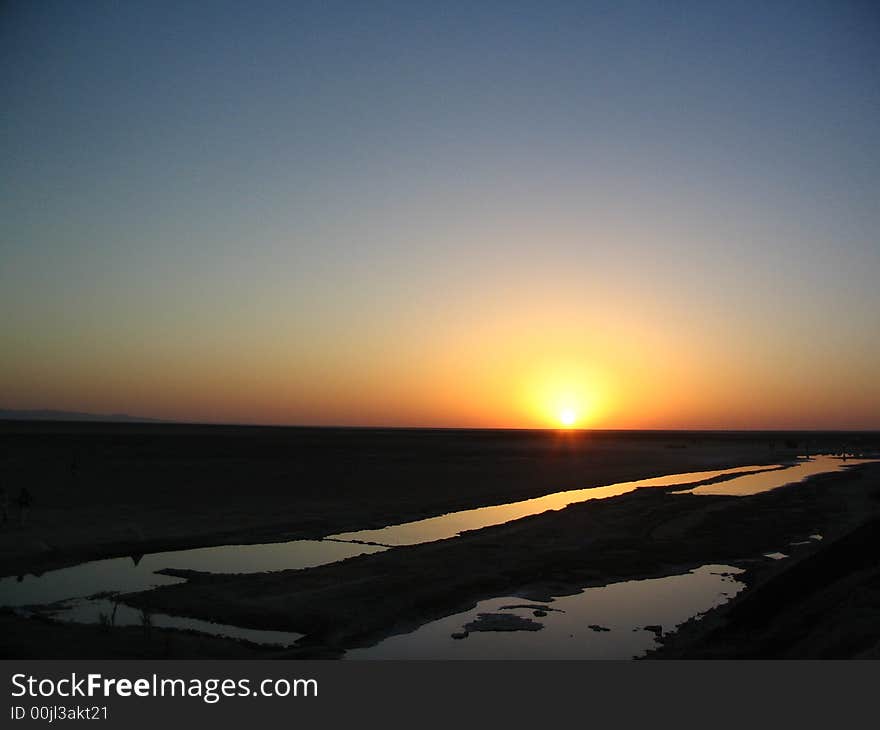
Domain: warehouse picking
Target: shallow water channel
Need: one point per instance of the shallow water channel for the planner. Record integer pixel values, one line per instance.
(86, 592)
(616, 621)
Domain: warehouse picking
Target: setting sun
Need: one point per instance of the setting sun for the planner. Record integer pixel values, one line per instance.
(567, 392)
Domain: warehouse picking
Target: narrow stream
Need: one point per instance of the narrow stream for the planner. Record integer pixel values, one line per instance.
(450, 525)
(84, 593)
(767, 480)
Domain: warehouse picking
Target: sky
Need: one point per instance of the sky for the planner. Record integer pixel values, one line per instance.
(481, 214)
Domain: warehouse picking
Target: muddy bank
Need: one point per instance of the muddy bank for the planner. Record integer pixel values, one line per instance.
(822, 605)
(106, 490)
(648, 533)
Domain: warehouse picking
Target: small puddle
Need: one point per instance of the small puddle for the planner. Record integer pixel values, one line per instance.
(616, 621)
(776, 556)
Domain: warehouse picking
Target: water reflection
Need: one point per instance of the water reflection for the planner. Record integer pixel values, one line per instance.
(112, 613)
(617, 621)
(87, 579)
(776, 556)
(450, 525)
(138, 573)
(124, 575)
(767, 480)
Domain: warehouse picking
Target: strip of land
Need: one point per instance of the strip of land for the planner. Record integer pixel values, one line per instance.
(102, 490)
(648, 533)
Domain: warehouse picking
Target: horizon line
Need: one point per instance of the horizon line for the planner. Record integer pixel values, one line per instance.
(124, 418)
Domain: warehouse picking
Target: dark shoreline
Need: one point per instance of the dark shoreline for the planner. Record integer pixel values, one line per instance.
(184, 490)
(838, 496)
(821, 604)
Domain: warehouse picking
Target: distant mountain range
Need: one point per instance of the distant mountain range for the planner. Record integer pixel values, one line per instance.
(12, 415)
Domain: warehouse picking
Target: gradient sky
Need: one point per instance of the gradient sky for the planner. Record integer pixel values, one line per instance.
(477, 214)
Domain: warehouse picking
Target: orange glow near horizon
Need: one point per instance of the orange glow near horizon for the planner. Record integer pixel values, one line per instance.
(487, 379)
(565, 395)
(577, 360)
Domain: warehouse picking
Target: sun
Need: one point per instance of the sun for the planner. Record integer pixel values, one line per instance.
(565, 398)
(568, 417)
